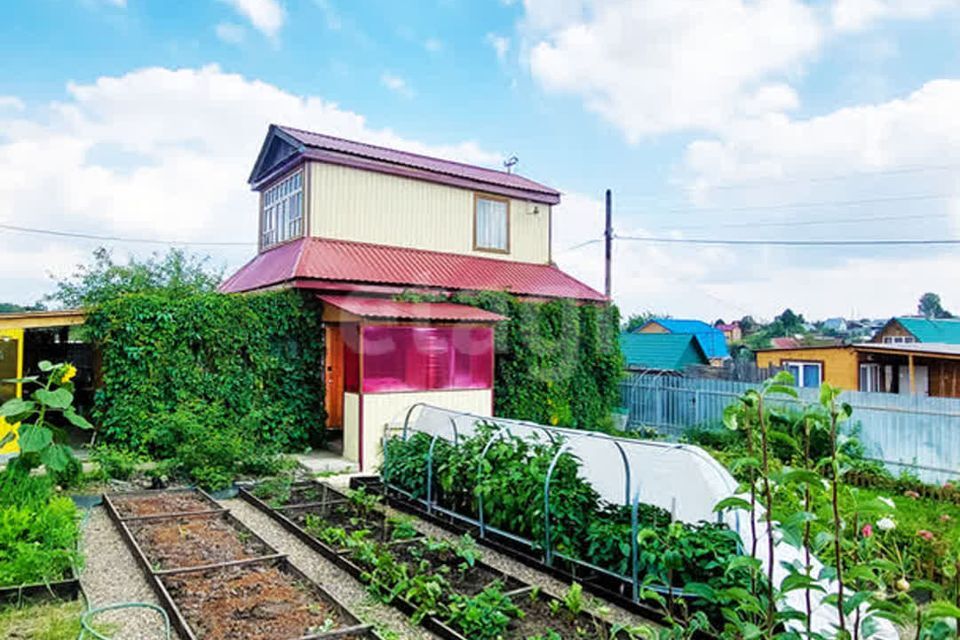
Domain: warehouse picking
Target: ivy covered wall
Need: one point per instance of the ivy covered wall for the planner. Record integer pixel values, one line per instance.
(258, 358)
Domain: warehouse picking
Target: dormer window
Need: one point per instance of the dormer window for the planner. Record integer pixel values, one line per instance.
(491, 224)
(282, 211)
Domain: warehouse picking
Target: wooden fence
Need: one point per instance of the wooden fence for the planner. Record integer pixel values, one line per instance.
(917, 433)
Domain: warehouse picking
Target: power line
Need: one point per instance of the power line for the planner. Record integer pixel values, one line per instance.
(821, 203)
(791, 243)
(579, 245)
(90, 236)
(805, 223)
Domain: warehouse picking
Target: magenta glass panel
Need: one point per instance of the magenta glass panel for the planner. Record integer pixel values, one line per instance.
(350, 334)
(399, 358)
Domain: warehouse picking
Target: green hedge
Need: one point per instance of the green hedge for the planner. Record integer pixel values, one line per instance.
(258, 357)
(558, 363)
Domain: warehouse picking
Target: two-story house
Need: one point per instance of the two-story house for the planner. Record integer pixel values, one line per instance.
(356, 225)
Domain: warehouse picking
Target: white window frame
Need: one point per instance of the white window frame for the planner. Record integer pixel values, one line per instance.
(898, 339)
(484, 239)
(282, 210)
(800, 365)
(870, 373)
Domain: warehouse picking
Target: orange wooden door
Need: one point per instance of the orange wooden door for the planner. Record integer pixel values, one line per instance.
(333, 398)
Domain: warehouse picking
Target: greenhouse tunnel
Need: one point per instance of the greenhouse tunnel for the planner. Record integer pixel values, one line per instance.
(636, 481)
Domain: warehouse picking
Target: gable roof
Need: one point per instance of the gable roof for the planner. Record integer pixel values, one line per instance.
(945, 330)
(661, 351)
(712, 340)
(285, 146)
(340, 265)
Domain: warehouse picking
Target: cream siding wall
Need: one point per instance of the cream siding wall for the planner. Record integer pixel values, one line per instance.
(365, 206)
(379, 409)
(351, 430)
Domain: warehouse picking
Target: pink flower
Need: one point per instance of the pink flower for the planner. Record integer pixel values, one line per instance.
(911, 494)
(926, 535)
(867, 530)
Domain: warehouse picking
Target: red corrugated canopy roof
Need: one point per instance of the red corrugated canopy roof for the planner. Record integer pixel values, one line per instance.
(321, 263)
(384, 308)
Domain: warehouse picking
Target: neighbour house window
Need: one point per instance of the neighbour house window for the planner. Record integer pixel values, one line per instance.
(807, 374)
(870, 378)
(397, 358)
(492, 224)
(282, 217)
(898, 339)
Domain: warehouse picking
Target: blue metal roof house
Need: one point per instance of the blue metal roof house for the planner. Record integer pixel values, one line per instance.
(711, 339)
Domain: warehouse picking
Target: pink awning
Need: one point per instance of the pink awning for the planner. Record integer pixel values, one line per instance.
(383, 308)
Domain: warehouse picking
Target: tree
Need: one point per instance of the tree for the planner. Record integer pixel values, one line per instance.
(637, 320)
(176, 273)
(929, 306)
(10, 307)
(748, 324)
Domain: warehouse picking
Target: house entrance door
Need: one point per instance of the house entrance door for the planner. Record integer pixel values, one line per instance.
(333, 364)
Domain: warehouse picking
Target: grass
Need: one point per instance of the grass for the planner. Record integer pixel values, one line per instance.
(54, 621)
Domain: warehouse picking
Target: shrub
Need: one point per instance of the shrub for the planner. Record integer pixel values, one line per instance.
(116, 462)
(38, 532)
(258, 358)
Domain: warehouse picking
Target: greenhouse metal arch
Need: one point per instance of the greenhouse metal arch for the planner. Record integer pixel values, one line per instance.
(681, 479)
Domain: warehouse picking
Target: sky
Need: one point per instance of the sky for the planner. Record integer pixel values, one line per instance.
(759, 120)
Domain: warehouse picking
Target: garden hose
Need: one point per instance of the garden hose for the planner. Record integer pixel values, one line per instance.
(86, 628)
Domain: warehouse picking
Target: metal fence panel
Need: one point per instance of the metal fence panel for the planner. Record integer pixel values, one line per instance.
(916, 433)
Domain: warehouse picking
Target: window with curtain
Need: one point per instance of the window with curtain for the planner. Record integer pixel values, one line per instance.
(807, 374)
(398, 358)
(282, 216)
(492, 224)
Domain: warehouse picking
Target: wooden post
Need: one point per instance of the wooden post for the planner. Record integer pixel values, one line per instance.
(608, 241)
(913, 381)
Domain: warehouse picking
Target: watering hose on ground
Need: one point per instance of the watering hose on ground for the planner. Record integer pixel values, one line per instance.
(86, 620)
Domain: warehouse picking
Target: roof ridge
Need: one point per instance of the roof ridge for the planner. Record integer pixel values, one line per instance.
(416, 154)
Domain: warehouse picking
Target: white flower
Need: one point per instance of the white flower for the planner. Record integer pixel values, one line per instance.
(887, 501)
(886, 524)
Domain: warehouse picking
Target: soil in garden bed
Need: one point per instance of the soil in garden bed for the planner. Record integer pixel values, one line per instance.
(191, 542)
(345, 516)
(538, 620)
(251, 603)
(160, 503)
(467, 580)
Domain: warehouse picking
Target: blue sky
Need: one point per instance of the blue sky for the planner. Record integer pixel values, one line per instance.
(764, 119)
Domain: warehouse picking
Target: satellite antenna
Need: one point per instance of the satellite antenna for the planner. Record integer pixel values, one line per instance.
(510, 163)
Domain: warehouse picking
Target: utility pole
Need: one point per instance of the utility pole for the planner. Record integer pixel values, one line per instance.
(608, 241)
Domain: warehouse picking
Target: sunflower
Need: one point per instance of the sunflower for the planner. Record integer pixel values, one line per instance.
(68, 372)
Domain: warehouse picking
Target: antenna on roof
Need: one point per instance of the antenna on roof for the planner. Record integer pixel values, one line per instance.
(510, 163)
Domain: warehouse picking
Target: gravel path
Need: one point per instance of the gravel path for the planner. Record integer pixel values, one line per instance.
(342, 586)
(111, 575)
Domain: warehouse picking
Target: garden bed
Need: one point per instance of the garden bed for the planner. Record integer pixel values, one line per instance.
(219, 580)
(426, 578)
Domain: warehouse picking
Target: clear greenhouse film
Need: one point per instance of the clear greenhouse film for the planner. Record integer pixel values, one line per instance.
(602, 508)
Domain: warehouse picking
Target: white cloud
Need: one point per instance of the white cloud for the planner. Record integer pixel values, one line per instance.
(655, 66)
(856, 15)
(230, 33)
(155, 153)
(396, 84)
(12, 103)
(267, 16)
(330, 15)
(433, 45)
(500, 44)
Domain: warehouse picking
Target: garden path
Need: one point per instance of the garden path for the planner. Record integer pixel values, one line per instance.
(111, 575)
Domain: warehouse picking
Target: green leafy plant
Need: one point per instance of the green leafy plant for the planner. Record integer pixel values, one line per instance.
(116, 462)
(40, 440)
(484, 616)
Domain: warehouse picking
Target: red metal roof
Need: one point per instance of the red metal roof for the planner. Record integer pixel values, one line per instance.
(319, 262)
(324, 142)
(385, 308)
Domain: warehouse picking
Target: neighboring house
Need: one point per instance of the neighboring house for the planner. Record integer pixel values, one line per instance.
(661, 352)
(785, 343)
(711, 339)
(908, 368)
(731, 331)
(915, 329)
(836, 325)
(357, 225)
